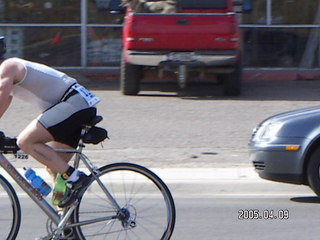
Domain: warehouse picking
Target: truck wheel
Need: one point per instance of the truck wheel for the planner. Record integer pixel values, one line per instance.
(130, 78)
(232, 82)
(313, 171)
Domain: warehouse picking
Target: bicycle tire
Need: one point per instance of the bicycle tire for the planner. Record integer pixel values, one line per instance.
(10, 211)
(141, 194)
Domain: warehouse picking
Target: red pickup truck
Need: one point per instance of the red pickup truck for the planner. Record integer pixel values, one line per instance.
(199, 36)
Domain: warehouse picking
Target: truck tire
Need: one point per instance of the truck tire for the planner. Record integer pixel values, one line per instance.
(130, 76)
(232, 82)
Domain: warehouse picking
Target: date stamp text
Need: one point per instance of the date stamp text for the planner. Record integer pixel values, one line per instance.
(266, 214)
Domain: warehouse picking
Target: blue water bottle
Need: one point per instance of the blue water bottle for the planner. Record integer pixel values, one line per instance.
(37, 182)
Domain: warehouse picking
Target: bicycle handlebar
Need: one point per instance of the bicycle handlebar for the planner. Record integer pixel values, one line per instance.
(7, 144)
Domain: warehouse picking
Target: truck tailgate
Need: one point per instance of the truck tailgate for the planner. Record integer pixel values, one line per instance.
(181, 32)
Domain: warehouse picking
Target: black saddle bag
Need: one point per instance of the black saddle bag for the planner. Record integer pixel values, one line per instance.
(95, 135)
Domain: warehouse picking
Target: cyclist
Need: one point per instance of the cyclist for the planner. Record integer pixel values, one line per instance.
(65, 107)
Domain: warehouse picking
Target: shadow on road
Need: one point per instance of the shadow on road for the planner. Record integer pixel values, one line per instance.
(299, 90)
(307, 199)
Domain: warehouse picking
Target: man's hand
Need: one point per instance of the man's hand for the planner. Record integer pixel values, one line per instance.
(7, 144)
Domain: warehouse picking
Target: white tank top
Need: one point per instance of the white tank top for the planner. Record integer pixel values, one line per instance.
(41, 85)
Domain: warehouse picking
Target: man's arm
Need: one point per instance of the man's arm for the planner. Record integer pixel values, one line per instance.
(5, 105)
(7, 77)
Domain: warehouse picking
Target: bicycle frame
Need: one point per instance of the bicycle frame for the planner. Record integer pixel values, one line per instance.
(35, 195)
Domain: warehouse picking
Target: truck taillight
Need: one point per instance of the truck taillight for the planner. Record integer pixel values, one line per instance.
(234, 29)
(234, 26)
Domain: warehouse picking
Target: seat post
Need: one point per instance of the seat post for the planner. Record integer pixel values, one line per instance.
(84, 130)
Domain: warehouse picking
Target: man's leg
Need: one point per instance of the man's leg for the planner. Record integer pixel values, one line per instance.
(32, 140)
(65, 156)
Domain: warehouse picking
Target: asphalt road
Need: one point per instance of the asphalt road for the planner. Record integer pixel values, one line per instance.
(222, 219)
(223, 210)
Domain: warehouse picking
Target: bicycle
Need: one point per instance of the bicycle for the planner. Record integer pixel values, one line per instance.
(122, 201)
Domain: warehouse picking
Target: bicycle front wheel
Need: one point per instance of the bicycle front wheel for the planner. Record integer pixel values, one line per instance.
(147, 209)
(10, 216)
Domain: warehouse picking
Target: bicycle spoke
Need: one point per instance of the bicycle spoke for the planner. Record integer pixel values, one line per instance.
(147, 209)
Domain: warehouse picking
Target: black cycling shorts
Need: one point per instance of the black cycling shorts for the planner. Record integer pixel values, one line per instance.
(64, 120)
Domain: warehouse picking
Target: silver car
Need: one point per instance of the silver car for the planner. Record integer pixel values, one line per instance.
(286, 148)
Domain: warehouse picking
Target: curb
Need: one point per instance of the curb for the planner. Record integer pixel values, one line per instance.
(206, 174)
(186, 175)
(207, 182)
(249, 74)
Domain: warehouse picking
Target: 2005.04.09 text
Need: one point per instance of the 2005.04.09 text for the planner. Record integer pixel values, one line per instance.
(256, 214)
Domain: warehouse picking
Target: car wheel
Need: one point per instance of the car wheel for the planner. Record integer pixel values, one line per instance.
(313, 171)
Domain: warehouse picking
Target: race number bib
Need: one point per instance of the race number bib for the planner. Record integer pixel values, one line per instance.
(90, 98)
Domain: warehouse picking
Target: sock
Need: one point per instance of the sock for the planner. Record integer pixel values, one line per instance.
(74, 176)
(68, 173)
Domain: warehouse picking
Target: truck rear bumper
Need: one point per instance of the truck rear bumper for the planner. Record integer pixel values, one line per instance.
(197, 58)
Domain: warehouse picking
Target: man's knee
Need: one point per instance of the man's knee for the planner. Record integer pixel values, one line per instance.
(23, 143)
(34, 133)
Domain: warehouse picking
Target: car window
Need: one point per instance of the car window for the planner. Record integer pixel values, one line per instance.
(201, 4)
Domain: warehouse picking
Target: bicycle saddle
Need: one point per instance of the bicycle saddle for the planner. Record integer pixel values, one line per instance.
(95, 134)
(95, 120)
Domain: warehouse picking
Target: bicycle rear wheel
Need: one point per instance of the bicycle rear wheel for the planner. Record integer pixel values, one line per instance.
(147, 207)
(10, 216)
